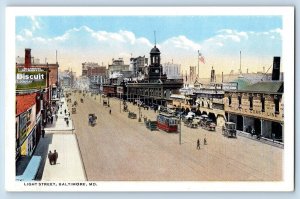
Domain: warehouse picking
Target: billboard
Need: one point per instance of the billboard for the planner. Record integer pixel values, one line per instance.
(31, 78)
(26, 123)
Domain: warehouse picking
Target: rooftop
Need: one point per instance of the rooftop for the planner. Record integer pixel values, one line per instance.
(269, 87)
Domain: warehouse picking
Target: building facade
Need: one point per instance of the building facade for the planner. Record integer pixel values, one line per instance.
(34, 96)
(155, 88)
(258, 109)
(137, 65)
(172, 70)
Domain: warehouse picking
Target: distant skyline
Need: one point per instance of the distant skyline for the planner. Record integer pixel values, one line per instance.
(98, 39)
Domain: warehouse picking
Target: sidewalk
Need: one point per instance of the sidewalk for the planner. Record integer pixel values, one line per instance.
(60, 124)
(60, 137)
(262, 139)
(69, 166)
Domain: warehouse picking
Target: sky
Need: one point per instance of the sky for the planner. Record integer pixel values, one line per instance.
(99, 39)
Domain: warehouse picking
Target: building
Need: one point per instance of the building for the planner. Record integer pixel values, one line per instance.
(137, 65)
(118, 67)
(210, 100)
(172, 70)
(260, 107)
(52, 89)
(155, 88)
(35, 91)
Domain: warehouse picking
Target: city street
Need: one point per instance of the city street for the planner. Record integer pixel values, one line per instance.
(119, 148)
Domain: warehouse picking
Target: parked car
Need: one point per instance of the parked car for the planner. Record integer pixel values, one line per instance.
(210, 125)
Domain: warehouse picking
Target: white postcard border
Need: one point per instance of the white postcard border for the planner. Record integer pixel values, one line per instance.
(287, 61)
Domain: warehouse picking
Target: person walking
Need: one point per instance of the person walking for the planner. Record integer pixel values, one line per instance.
(198, 144)
(65, 111)
(205, 140)
(56, 117)
(55, 156)
(67, 121)
(50, 155)
(43, 133)
(51, 119)
(109, 111)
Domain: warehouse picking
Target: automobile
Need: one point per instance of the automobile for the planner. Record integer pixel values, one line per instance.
(197, 119)
(229, 129)
(210, 125)
(92, 119)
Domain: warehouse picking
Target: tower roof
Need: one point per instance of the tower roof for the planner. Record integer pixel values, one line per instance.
(155, 50)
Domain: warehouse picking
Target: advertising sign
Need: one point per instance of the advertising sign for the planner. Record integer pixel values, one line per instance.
(31, 78)
(26, 123)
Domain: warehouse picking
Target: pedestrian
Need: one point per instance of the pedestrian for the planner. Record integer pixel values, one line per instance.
(51, 119)
(50, 157)
(109, 111)
(252, 132)
(198, 144)
(43, 133)
(205, 141)
(65, 111)
(56, 117)
(55, 156)
(67, 121)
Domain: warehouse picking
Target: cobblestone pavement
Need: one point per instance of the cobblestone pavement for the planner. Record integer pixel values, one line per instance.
(119, 148)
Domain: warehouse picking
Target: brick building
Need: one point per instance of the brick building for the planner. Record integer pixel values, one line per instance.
(34, 96)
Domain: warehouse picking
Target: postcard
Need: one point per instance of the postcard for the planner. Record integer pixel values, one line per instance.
(149, 99)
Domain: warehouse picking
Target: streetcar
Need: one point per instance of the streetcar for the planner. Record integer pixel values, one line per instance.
(167, 122)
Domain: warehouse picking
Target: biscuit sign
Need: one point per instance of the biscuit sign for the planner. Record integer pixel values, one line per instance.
(29, 78)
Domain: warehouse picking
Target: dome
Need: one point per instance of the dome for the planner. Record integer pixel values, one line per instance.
(155, 50)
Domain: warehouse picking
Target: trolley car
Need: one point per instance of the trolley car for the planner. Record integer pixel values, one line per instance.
(167, 122)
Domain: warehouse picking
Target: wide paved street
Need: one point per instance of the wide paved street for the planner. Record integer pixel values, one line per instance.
(119, 148)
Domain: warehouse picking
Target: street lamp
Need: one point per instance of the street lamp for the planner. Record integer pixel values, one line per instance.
(120, 103)
(140, 119)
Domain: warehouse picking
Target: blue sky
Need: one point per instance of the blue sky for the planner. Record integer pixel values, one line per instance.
(99, 39)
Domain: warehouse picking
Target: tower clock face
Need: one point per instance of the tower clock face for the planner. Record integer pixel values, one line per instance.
(156, 71)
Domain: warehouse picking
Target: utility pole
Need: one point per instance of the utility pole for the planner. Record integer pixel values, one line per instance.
(179, 129)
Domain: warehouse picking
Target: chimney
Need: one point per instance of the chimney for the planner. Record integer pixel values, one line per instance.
(276, 69)
(27, 58)
(212, 75)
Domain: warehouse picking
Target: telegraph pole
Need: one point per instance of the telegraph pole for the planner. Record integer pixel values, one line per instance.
(179, 129)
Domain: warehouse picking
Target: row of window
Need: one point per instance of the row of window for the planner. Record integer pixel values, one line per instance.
(276, 102)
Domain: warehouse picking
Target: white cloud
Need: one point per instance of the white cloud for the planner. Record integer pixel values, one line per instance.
(182, 42)
(20, 38)
(27, 33)
(35, 23)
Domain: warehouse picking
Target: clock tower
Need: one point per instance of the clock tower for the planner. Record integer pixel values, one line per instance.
(155, 70)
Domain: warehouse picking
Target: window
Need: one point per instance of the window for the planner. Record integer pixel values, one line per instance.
(229, 100)
(276, 102)
(240, 101)
(251, 102)
(262, 103)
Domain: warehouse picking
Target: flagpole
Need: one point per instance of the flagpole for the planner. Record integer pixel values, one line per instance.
(198, 65)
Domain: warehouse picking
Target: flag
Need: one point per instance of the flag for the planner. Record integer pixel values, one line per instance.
(201, 58)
